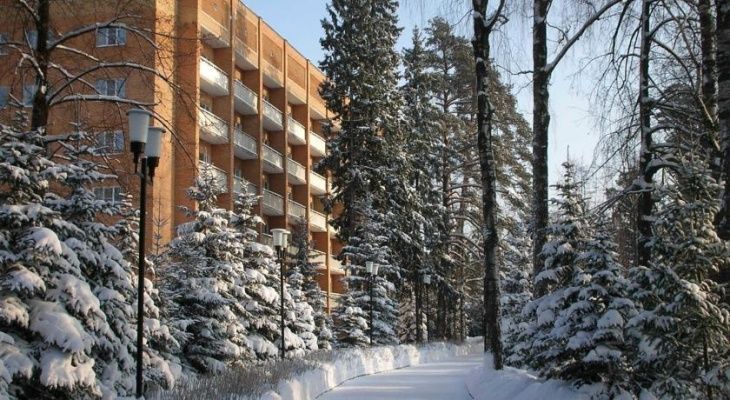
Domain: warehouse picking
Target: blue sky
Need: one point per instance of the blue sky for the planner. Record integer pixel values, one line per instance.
(298, 21)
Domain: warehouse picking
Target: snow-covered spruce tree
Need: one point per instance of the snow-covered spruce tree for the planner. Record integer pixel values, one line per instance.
(516, 288)
(313, 294)
(544, 346)
(204, 283)
(682, 330)
(595, 322)
(407, 321)
(67, 322)
(301, 323)
(368, 243)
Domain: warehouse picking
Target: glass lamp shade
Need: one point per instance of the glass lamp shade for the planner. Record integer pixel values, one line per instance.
(280, 237)
(154, 142)
(139, 122)
(369, 267)
(375, 268)
(427, 279)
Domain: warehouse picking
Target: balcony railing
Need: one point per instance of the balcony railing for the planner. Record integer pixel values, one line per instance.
(273, 203)
(212, 79)
(213, 129)
(317, 183)
(240, 184)
(246, 101)
(246, 57)
(297, 210)
(318, 258)
(273, 77)
(297, 132)
(318, 221)
(296, 171)
(273, 160)
(214, 33)
(246, 146)
(273, 117)
(210, 171)
(318, 145)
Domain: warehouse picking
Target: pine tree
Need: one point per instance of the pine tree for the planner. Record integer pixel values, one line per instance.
(205, 284)
(313, 294)
(516, 289)
(682, 330)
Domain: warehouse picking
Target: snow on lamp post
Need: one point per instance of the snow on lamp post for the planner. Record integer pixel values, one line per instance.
(372, 269)
(426, 282)
(146, 145)
(281, 237)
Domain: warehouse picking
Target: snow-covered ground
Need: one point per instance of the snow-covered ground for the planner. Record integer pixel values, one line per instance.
(361, 362)
(441, 380)
(484, 383)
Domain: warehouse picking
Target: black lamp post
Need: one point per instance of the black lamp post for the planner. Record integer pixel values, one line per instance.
(145, 144)
(280, 244)
(372, 269)
(426, 282)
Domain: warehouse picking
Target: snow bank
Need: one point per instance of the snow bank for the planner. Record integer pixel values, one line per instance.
(484, 383)
(356, 362)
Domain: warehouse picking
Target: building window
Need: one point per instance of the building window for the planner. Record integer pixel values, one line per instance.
(3, 42)
(111, 36)
(28, 94)
(4, 96)
(112, 194)
(111, 87)
(31, 37)
(110, 142)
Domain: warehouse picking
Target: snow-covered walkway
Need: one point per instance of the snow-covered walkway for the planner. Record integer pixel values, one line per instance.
(441, 380)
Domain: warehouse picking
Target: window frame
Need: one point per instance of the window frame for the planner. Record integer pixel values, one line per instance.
(120, 87)
(103, 33)
(110, 142)
(112, 194)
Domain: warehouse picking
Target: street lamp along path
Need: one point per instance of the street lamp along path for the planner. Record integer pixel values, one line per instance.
(281, 239)
(145, 144)
(372, 269)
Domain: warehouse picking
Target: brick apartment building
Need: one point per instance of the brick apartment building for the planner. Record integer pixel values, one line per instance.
(242, 104)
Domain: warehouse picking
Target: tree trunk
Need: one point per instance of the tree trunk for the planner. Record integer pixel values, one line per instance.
(709, 85)
(482, 31)
(540, 124)
(723, 74)
(39, 115)
(645, 181)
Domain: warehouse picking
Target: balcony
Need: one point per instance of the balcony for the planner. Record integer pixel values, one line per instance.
(273, 118)
(212, 79)
(317, 183)
(297, 94)
(246, 147)
(213, 129)
(246, 58)
(214, 33)
(297, 172)
(318, 221)
(336, 266)
(273, 77)
(297, 132)
(318, 145)
(273, 160)
(297, 211)
(267, 240)
(318, 258)
(273, 203)
(240, 184)
(210, 171)
(317, 108)
(245, 100)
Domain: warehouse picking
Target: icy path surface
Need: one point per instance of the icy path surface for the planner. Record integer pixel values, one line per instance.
(441, 380)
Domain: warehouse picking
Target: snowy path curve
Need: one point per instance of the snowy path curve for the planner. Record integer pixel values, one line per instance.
(441, 380)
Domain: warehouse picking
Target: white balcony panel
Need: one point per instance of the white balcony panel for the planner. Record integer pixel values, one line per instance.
(317, 183)
(210, 171)
(245, 100)
(213, 32)
(213, 129)
(273, 160)
(296, 132)
(318, 258)
(318, 221)
(246, 58)
(273, 118)
(297, 172)
(297, 211)
(273, 203)
(317, 144)
(240, 184)
(317, 108)
(246, 147)
(297, 94)
(212, 79)
(336, 267)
